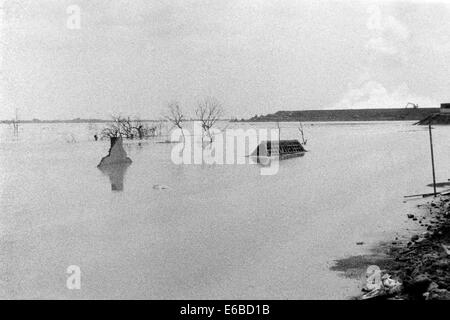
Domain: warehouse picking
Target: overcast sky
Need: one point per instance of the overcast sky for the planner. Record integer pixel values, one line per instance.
(134, 56)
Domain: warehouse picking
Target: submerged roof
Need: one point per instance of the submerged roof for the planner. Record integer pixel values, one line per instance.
(283, 142)
(279, 147)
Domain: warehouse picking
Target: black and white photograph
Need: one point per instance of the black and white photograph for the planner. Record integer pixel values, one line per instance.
(225, 150)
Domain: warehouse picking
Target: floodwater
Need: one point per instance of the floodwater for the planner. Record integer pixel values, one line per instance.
(159, 230)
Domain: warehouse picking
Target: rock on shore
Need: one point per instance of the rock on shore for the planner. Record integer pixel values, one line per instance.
(423, 264)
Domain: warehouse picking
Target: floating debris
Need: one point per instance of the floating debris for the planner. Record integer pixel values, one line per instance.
(379, 284)
(446, 248)
(160, 187)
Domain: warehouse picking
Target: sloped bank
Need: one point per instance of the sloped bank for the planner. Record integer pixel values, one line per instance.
(421, 265)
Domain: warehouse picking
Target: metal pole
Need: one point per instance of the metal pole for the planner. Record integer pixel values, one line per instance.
(432, 157)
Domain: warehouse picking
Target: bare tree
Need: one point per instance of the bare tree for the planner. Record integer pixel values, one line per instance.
(127, 128)
(300, 129)
(141, 129)
(208, 111)
(175, 116)
(112, 130)
(279, 136)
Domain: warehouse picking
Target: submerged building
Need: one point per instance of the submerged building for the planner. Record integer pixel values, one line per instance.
(445, 108)
(282, 149)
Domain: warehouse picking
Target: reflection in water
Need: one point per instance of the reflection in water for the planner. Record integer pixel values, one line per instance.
(267, 161)
(276, 234)
(135, 147)
(116, 173)
(115, 164)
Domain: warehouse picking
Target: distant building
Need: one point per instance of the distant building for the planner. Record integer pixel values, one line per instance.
(441, 117)
(445, 108)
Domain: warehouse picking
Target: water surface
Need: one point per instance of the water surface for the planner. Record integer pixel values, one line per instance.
(218, 231)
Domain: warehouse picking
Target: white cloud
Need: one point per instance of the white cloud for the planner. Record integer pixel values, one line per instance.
(389, 44)
(388, 35)
(134, 55)
(372, 94)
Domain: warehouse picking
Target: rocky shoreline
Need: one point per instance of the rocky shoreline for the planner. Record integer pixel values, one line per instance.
(423, 265)
(415, 270)
(412, 268)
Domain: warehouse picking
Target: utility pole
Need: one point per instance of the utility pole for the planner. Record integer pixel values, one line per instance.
(432, 157)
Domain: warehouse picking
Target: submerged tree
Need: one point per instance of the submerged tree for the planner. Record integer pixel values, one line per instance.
(128, 128)
(142, 130)
(208, 112)
(112, 130)
(176, 117)
(300, 129)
